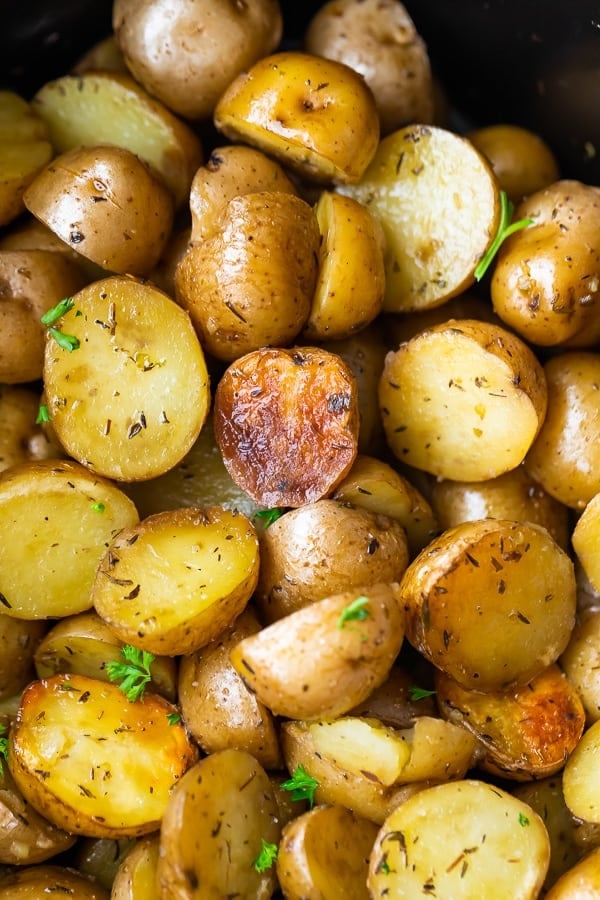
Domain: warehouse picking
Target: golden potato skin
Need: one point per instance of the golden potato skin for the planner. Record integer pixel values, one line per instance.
(22, 438)
(24, 151)
(522, 161)
(33, 882)
(18, 642)
(586, 541)
(580, 881)
(136, 876)
(580, 785)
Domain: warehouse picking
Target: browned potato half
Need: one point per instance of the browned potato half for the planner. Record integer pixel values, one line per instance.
(286, 422)
(110, 108)
(31, 282)
(565, 458)
(323, 659)
(546, 283)
(33, 882)
(325, 853)
(229, 172)
(93, 762)
(586, 541)
(219, 710)
(22, 437)
(349, 291)
(136, 876)
(104, 202)
(19, 639)
(188, 57)
(463, 400)
(63, 517)
(581, 881)
(213, 828)
(175, 581)
(325, 548)
(250, 285)
(379, 40)
(315, 115)
(465, 839)
(581, 785)
(528, 732)
(522, 162)
(130, 399)
(24, 151)
(439, 204)
(491, 603)
(581, 661)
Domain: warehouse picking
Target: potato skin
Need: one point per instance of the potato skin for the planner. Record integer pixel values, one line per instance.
(22, 439)
(33, 882)
(18, 641)
(522, 162)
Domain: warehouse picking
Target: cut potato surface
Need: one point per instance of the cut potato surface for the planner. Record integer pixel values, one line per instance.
(581, 784)
(586, 540)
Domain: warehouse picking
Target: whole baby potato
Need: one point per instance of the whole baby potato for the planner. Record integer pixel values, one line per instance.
(522, 161)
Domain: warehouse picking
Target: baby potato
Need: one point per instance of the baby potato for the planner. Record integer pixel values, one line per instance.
(491, 603)
(565, 457)
(93, 762)
(581, 786)
(439, 204)
(33, 882)
(136, 876)
(323, 659)
(546, 283)
(316, 116)
(18, 642)
(586, 541)
(581, 661)
(104, 202)
(463, 400)
(392, 702)
(582, 880)
(24, 151)
(325, 548)
(250, 285)
(175, 581)
(286, 423)
(22, 438)
(522, 161)
(130, 394)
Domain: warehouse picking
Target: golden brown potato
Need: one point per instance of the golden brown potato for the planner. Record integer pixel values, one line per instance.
(286, 422)
(325, 548)
(34, 882)
(104, 202)
(491, 603)
(522, 161)
(24, 151)
(546, 283)
(463, 400)
(23, 436)
(136, 878)
(586, 541)
(581, 661)
(250, 285)
(581, 786)
(19, 639)
(565, 457)
(581, 881)
(314, 115)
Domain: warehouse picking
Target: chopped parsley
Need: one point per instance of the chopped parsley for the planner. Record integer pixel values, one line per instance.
(505, 228)
(43, 414)
(266, 857)
(355, 612)
(134, 673)
(3, 748)
(174, 718)
(418, 693)
(67, 341)
(523, 820)
(302, 786)
(98, 507)
(54, 314)
(267, 516)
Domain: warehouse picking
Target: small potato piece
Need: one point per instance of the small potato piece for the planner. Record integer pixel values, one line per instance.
(63, 517)
(174, 582)
(104, 56)
(105, 203)
(565, 457)
(34, 882)
(314, 115)
(586, 541)
(99, 858)
(439, 204)
(393, 703)
(130, 401)
(324, 853)
(463, 400)
(18, 642)
(18, 121)
(31, 234)
(581, 882)
(91, 761)
(320, 661)
(22, 438)
(522, 162)
(581, 661)
(491, 603)
(286, 422)
(212, 830)
(24, 151)
(136, 876)
(250, 285)
(466, 839)
(581, 785)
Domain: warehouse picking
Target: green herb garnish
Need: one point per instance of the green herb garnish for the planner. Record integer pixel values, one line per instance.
(505, 229)
(302, 786)
(267, 516)
(54, 314)
(355, 612)
(43, 414)
(67, 341)
(266, 857)
(173, 718)
(98, 507)
(134, 673)
(523, 820)
(3, 748)
(419, 693)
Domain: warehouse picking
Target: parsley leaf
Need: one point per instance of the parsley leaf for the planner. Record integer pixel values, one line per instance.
(134, 673)
(505, 229)
(523, 820)
(54, 314)
(267, 516)
(419, 693)
(3, 748)
(67, 341)
(43, 414)
(98, 507)
(266, 857)
(355, 612)
(173, 718)
(302, 786)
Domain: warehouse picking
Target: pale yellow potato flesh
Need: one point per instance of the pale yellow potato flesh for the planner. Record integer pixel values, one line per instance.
(586, 541)
(20, 162)
(136, 876)
(31, 882)
(581, 785)
(581, 660)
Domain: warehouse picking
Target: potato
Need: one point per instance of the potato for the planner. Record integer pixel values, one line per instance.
(100, 858)
(490, 603)
(187, 53)
(136, 876)
(325, 548)
(18, 120)
(325, 853)
(581, 786)
(63, 517)
(93, 762)
(546, 282)
(522, 161)
(463, 839)
(392, 702)
(439, 204)
(24, 151)
(18, 642)
(106, 203)
(22, 437)
(131, 398)
(213, 828)
(316, 116)
(175, 581)
(33, 882)
(586, 540)
(31, 282)
(380, 41)
(463, 400)
(110, 108)
(286, 423)
(467, 305)
(565, 459)
(219, 710)
(323, 659)
(582, 880)
(581, 661)
(28, 233)
(104, 56)
(250, 285)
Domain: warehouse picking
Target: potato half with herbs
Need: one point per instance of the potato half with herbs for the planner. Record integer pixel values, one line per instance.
(24, 151)
(286, 422)
(93, 762)
(314, 115)
(463, 400)
(491, 602)
(251, 283)
(125, 377)
(174, 582)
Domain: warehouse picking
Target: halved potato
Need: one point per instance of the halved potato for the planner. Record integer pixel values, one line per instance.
(23, 438)
(24, 151)
(581, 660)
(18, 120)
(32, 882)
(136, 876)
(581, 785)
(19, 639)
(586, 540)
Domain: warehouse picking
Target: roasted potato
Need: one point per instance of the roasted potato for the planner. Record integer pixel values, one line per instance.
(24, 437)
(581, 661)
(580, 777)
(24, 151)
(586, 540)
(100, 858)
(582, 880)
(522, 162)
(136, 878)
(33, 882)
(19, 639)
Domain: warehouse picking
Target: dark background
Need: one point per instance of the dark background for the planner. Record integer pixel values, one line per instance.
(529, 62)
